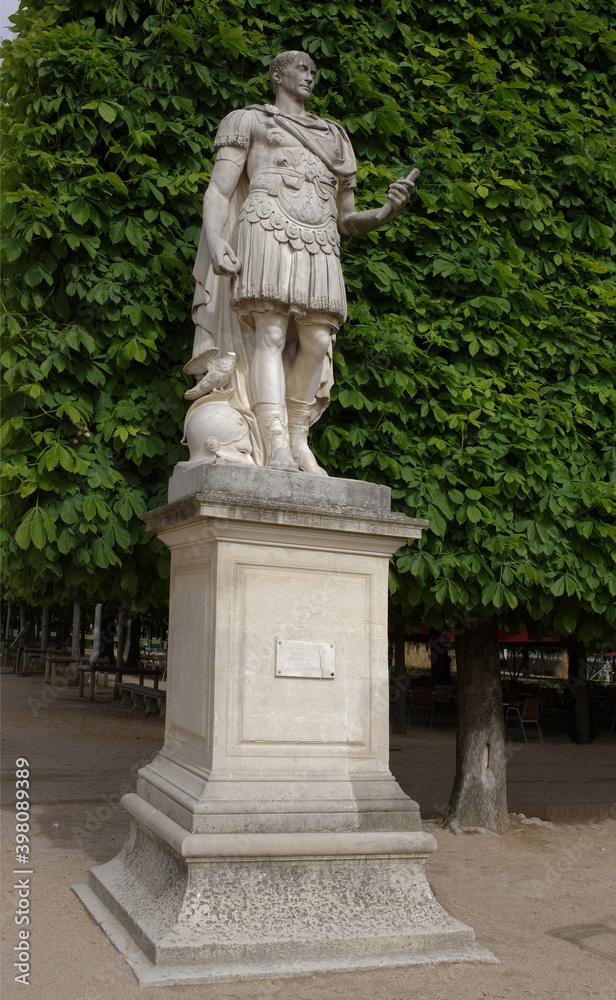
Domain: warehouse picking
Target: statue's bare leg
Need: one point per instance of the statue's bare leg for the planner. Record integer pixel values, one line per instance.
(267, 383)
(303, 380)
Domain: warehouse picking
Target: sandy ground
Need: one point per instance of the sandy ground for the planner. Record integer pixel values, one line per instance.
(541, 898)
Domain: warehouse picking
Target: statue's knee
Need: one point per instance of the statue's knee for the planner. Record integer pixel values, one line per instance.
(271, 338)
(316, 342)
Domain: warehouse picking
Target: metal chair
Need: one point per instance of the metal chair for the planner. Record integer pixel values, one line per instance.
(529, 716)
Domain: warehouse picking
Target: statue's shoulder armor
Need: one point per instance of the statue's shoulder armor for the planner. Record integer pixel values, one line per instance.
(236, 128)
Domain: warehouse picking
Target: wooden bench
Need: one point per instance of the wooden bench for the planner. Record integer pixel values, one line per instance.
(55, 660)
(100, 667)
(142, 671)
(141, 696)
(152, 667)
(34, 659)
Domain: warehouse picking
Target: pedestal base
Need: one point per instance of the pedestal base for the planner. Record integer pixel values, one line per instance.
(148, 974)
(268, 836)
(271, 905)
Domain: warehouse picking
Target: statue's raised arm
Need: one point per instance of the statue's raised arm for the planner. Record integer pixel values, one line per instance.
(357, 223)
(269, 295)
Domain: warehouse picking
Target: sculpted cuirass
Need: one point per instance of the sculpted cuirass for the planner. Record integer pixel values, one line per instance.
(296, 200)
(287, 235)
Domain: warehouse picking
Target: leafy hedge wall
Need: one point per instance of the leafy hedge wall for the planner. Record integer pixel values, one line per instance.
(476, 372)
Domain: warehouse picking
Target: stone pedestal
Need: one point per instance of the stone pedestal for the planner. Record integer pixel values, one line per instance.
(268, 837)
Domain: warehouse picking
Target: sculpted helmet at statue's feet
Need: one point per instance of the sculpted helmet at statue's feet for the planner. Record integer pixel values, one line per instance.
(269, 287)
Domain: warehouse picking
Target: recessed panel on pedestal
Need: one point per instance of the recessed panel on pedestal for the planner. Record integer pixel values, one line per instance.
(310, 608)
(190, 668)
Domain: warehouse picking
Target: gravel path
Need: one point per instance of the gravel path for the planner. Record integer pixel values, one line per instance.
(542, 898)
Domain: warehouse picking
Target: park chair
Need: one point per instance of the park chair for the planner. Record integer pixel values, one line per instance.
(421, 698)
(610, 701)
(549, 710)
(442, 696)
(511, 695)
(529, 716)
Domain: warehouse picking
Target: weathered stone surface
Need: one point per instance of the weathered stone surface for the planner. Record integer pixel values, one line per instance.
(224, 919)
(244, 496)
(269, 836)
(229, 482)
(245, 749)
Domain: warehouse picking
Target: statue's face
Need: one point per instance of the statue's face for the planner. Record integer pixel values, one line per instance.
(297, 78)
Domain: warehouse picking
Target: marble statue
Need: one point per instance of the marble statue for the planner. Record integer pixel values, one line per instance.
(269, 287)
(268, 836)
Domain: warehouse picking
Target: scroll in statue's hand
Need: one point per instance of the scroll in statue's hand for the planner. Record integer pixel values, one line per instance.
(399, 193)
(225, 261)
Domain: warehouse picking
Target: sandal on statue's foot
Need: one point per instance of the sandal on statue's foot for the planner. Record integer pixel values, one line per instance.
(283, 459)
(307, 462)
(298, 413)
(272, 421)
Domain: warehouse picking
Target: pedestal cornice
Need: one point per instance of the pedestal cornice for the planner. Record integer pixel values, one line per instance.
(269, 496)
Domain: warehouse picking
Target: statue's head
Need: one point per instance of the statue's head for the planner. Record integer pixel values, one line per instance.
(294, 72)
(214, 431)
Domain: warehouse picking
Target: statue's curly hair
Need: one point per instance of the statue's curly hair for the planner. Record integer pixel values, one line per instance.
(282, 60)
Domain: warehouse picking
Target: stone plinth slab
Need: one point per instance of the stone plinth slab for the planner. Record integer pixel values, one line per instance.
(242, 482)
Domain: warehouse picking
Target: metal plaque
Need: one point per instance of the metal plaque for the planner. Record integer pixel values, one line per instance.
(305, 659)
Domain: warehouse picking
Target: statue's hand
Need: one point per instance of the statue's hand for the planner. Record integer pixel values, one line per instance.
(225, 261)
(399, 193)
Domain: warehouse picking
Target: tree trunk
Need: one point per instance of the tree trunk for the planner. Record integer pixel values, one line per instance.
(8, 631)
(479, 794)
(31, 623)
(440, 667)
(134, 635)
(23, 616)
(108, 631)
(121, 640)
(398, 684)
(581, 730)
(75, 632)
(45, 628)
(73, 672)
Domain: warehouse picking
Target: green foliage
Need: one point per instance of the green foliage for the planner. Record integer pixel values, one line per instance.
(476, 373)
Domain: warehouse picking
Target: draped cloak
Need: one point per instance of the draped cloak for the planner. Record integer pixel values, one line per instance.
(222, 305)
